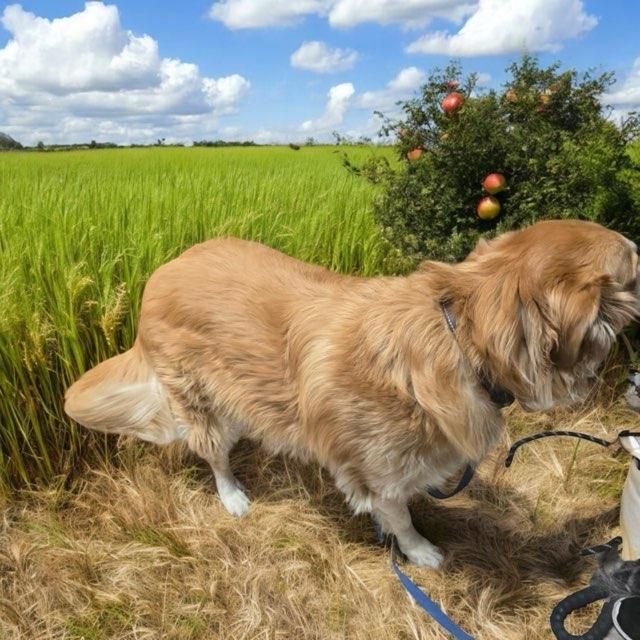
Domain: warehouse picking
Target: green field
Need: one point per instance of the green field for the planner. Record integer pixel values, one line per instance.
(80, 233)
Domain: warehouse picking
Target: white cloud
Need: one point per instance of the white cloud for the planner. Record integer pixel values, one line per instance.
(248, 14)
(86, 51)
(251, 14)
(500, 26)
(410, 13)
(223, 93)
(400, 87)
(626, 96)
(484, 79)
(84, 76)
(317, 56)
(339, 99)
(408, 79)
(343, 97)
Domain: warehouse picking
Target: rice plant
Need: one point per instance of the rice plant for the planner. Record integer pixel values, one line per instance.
(81, 232)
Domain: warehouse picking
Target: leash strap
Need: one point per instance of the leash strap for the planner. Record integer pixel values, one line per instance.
(464, 481)
(547, 434)
(421, 598)
(572, 434)
(426, 603)
(602, 548)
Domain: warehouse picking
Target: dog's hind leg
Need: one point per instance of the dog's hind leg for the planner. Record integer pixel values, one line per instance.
(213, 444)
(393, 517)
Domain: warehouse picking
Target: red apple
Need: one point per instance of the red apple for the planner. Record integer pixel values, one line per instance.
(543, 100)
(414, 154)
(452, 102)
(488, 207)
(452, 84)
(511, 96)
(494, 183)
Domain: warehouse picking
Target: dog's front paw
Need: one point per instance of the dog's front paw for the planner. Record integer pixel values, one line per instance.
(234, 500)
(424, 554)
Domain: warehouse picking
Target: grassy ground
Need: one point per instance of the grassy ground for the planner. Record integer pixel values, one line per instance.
(81, 232)
(141, 548)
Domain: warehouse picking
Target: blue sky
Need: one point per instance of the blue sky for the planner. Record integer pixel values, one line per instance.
(275, 70)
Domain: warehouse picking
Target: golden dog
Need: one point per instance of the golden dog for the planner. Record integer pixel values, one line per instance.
(384, 381)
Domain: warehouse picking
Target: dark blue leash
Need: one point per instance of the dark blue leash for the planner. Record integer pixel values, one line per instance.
(412, 588)
(464, 481)
(415, 591)
(426, 602)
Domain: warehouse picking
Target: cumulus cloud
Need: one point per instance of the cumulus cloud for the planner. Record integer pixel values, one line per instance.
(402, 86)
(223, 93)
(84, 76)
(484, 79)
(338, 101)
(626, 96)
(498, 27)
(410, 13)
(248, 14)
(86, 51)
(251, 14)
(343, 98)
(317, 56)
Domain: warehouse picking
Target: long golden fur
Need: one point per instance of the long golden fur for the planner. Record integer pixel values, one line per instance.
(362, 374)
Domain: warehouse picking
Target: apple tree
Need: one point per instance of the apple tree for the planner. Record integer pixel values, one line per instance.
(546, 132)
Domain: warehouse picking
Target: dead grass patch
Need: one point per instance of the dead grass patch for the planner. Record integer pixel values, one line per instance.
(143, 549)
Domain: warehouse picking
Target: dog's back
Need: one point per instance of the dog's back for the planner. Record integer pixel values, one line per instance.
(217, 302)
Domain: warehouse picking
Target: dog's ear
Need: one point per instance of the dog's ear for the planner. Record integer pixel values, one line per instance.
(510, 331)
(618, 305)
(586, 315)
(573, 308)
(527, 329)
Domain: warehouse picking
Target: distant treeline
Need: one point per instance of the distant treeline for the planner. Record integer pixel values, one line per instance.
(112, 145)
(224, 143)
(7, 143)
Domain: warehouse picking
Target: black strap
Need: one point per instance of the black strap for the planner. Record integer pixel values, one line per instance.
(464, 481)
(597, 549)
(575, 601)
(498, 395)
(572, 434)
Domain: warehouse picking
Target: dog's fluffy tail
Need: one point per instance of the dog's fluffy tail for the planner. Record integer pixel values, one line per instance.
(123, 395)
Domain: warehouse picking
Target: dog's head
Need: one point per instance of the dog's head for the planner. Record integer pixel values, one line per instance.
(546, 305)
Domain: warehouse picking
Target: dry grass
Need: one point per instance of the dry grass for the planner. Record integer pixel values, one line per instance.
(143, 549)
